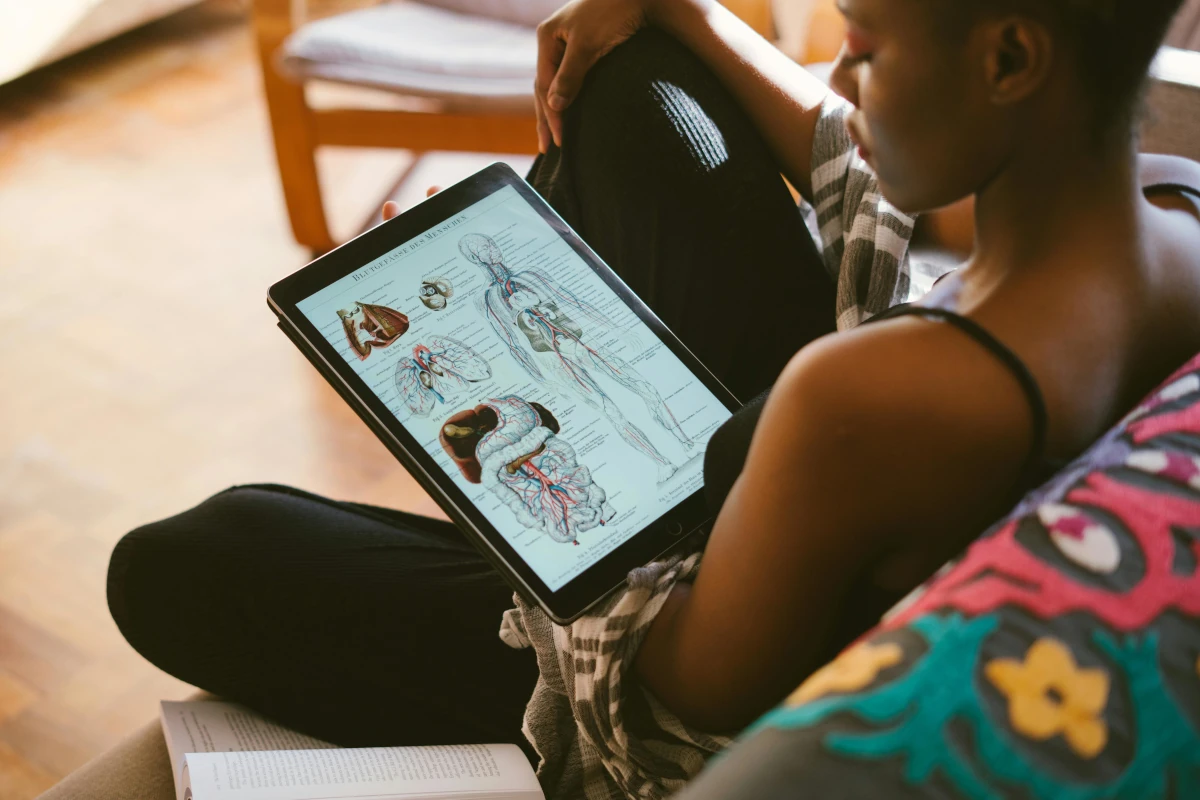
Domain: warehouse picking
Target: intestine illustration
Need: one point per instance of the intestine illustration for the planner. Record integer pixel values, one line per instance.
(438, 371)
(368, 327)
(513, 448)
(435, 292)
(543, 325)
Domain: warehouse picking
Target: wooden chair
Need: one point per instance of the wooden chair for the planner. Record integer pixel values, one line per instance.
(473, 112)
(299, 129)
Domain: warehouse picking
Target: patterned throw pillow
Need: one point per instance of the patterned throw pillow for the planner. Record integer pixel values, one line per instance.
(1059, 658)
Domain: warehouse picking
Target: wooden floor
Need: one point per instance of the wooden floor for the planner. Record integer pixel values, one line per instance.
(140, 371)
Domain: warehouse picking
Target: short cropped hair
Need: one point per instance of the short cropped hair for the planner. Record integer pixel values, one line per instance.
(1114, 42)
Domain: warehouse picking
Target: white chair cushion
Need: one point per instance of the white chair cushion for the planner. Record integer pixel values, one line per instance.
(419, 49)
(521, 12)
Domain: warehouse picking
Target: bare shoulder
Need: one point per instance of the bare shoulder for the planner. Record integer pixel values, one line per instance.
(915, 414)
(879, 455)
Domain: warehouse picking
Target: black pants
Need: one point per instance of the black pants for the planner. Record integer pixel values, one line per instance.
(367, 626)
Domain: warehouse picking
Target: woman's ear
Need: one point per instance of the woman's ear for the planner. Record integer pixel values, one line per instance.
(1019, 53)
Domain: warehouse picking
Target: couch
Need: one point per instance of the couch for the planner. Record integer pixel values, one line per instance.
(138, 768)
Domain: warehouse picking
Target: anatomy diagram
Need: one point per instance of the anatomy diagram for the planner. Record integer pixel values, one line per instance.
(368, 327)
(543, 325)
(512, 448)
(435, 292)
(438, 371)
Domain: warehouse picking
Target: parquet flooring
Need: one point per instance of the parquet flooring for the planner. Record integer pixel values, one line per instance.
(140, 371)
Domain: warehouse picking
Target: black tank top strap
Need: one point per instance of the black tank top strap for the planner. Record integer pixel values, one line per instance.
(1181, 188)
(1037, 465)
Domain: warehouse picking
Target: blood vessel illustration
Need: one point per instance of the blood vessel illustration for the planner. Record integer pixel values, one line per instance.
(435, 292)
(437, 372)
(513, 448)
(368, 327)
(543, 325)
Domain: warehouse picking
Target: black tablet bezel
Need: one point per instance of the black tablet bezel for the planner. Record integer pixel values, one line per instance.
(576, 596)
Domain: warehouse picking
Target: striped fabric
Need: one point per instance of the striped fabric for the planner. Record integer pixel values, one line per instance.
(599, 739)
(863, 238)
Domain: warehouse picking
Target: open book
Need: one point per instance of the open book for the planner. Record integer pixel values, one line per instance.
(222, 751)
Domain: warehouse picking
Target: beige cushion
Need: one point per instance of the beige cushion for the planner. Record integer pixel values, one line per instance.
(522, 12)
(421, 50)
(136, 769)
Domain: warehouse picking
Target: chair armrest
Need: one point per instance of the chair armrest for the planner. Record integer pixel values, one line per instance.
(1173, 105)
(273, 21)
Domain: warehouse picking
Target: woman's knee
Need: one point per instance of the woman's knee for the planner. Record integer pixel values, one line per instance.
(154, 567)
(650, 87)
(136, 571)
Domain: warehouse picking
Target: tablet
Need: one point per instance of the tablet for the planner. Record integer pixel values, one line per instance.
(544, 407)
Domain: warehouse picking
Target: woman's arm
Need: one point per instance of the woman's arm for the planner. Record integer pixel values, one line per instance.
(780, 96)
(879, 454)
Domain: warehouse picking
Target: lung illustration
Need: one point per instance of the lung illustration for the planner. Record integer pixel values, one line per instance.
(438, 371)
(513, 448)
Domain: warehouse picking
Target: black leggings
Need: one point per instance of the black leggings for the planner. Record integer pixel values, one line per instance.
(368, 626)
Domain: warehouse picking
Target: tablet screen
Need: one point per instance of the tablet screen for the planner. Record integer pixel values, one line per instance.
(545, 398)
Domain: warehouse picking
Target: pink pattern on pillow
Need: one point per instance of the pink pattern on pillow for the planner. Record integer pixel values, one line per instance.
(999, 571)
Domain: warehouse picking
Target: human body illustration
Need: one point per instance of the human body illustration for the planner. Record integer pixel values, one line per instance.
(369, 326)
(512, 447)
(438, 371)
(540, 322)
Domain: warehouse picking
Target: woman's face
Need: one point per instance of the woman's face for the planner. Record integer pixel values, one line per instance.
(922, 116)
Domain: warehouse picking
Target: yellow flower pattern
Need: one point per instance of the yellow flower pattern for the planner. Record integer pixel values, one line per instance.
(1049, 694)
(853, 670)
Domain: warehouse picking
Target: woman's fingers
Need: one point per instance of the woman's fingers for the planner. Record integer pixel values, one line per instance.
(576, 61)
(551, 48)
(391, 209)
(569, 44)
(543, 127)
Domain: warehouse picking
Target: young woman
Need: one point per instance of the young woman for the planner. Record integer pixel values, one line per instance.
(880, 452)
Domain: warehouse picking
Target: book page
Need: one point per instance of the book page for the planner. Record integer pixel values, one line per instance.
(475, 771)
(213, 726)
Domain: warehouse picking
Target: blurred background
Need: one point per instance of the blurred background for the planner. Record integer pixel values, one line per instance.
(162, 162)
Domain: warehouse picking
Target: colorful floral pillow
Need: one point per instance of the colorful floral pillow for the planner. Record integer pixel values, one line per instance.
(1059, 658)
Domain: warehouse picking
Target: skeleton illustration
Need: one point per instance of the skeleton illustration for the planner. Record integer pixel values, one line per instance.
(435, 292)
(368, 327)
(512, 447)
(543, 325)
(438, 372)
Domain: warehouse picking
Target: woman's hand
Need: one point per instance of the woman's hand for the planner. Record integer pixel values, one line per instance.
(577, 36)
(392, 209)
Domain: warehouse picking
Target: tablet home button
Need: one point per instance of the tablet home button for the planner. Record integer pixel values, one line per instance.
(675, 528)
